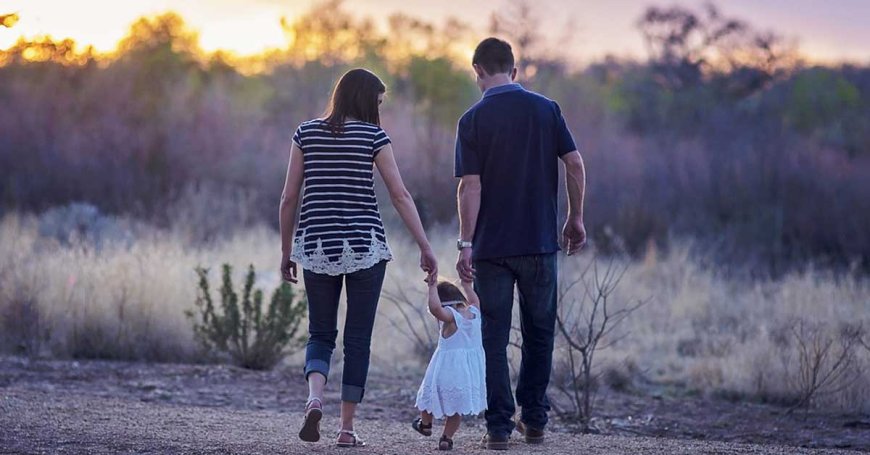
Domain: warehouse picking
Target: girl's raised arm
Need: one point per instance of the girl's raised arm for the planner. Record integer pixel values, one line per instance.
(473, 299)
(440, 313)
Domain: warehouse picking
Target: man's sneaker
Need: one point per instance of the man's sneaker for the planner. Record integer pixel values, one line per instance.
(532, 435)
(494, 442)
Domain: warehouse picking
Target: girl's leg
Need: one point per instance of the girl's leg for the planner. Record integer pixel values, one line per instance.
(452, 425)
(363, 293)
(423, 424)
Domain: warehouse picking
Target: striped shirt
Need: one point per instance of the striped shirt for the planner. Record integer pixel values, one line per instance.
(340, 229)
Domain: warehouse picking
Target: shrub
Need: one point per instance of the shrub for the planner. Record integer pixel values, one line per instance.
(80, 223)
(828, 361)
(251, 337)
(586, 318)
(23, 326)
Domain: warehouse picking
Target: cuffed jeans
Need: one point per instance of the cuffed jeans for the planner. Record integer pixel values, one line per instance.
(324, 291)
(535, 278)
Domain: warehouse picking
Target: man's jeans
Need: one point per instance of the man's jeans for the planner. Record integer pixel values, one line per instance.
(324, 291)
(535, 278)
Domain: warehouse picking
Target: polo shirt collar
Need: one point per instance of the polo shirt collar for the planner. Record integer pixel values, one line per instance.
(502, 89)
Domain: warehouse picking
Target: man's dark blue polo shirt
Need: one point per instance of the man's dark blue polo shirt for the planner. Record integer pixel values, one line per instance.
(513, 139)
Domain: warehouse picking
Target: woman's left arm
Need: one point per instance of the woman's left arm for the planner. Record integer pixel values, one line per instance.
(404, 204)
(287, 211)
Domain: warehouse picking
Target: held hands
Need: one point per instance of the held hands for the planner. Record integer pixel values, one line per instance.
(574, 234)
(288, 269)
(429, 264)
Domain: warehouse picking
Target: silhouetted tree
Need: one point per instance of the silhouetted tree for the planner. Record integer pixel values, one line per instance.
(685, 45)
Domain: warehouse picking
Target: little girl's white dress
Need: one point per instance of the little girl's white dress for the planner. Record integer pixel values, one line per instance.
(455, 381)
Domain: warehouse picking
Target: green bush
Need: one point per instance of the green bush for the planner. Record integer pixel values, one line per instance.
(252, 339)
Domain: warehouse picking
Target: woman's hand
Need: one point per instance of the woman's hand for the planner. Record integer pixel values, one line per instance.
(429, 264)
(288, 269)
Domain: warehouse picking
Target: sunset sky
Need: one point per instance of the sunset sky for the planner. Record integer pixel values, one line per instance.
(825, 31)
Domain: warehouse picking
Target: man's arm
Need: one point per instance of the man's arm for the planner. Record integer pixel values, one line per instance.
(574, 232)
(469, 207)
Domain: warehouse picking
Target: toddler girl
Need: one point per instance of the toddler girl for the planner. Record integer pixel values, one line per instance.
(455, 381)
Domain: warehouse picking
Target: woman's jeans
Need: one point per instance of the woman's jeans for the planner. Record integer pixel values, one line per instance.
(324, 291)
(535, 278)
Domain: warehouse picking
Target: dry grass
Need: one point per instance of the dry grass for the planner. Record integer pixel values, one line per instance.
(118, 299)
(701, 330)
(737, 337)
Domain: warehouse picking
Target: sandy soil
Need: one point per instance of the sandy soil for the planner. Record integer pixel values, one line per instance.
(120, 407)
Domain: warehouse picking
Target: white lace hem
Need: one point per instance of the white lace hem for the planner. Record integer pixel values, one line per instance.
(447, 401)
(348, 261)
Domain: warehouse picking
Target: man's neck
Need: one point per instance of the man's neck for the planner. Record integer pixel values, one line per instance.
(497, 81)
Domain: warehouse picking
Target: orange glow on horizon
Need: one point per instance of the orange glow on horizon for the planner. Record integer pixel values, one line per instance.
(243, 32)
(249, 29)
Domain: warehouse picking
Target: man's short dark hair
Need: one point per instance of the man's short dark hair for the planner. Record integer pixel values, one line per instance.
(494, 55)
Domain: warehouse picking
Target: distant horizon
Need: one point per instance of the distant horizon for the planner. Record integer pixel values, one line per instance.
(823, 34)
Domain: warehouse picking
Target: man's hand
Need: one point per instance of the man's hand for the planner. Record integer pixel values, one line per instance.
(288, 269)
(574, 234)
(463, 265)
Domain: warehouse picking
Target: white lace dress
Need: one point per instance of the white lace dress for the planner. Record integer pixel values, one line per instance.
(455, 381)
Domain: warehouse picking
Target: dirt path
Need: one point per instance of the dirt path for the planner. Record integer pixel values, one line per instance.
(105, 407)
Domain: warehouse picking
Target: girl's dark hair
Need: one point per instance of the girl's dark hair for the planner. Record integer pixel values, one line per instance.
(355, 95)
(449, 292)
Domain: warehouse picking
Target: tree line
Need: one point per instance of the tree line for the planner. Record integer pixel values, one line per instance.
(722, 135)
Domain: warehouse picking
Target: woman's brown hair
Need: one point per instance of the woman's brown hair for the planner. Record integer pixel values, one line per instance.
(355, 95)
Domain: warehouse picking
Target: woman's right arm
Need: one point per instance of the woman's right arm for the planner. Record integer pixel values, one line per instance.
(287, 211)
(401, 198)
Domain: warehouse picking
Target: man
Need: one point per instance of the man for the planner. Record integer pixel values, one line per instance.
(508, 147)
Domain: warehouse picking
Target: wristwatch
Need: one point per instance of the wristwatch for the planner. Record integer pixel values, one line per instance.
(461, 244)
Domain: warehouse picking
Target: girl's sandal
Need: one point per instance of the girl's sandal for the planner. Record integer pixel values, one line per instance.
(310, 431)
(445, 443)
(422, 428)
(356, 442)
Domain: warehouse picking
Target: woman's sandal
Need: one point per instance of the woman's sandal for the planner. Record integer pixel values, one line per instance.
(422, 428)
(445, 443)
(310, 431)
(357, 442)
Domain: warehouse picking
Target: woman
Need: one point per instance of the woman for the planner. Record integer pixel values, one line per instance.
(340, 238)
